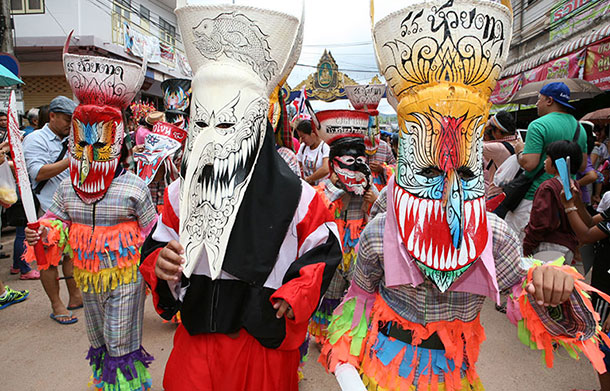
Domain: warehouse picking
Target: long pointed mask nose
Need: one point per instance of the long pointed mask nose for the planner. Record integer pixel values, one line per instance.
(453, 202)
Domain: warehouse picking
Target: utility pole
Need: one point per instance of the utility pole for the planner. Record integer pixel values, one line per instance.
(6, 27)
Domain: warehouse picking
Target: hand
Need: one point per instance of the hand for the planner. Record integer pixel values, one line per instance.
(310, 181)
(32, 236)
(575, 195)
(519, 145)
(283, 308)
(606, 325)
(370, 196)
(169, 263)
(376, 167)
(334, 178)
(550, 286)
(2, 157)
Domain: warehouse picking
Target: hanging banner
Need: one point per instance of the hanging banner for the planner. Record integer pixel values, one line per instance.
(537, 74)
(565, 67)
(167, 52)
(571, 15)
(506, 89)
(135, 43)
(597, 66)
(183, 65)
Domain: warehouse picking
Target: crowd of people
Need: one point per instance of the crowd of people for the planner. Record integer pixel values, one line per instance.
(256, 233)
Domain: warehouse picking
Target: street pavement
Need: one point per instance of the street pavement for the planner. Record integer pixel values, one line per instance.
(39, 354)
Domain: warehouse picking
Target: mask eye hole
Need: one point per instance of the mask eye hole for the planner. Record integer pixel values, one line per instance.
(348, 160)
(430, 172)
(83, 144)
(360, 159)
(225, 125)
(201, 124)
(465, 173)
(98, 144)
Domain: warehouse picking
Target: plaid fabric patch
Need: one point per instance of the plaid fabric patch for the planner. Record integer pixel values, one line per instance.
(425, 303)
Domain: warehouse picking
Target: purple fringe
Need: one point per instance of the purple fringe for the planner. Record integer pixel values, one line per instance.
(328, 305)
(96, 356)
(109, 364)
(304, 348)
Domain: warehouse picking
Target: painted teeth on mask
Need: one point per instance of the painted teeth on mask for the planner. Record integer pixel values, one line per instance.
(420, 212)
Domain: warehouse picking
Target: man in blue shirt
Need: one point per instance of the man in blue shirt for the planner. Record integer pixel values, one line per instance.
(46, 159)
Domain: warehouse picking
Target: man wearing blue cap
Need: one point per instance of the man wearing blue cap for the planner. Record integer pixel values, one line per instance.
(45, 157)
(555, 123)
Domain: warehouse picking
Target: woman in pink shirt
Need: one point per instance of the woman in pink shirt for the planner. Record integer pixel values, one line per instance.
(501, 142)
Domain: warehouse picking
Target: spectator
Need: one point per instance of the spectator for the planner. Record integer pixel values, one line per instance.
(32, 117)
(594, 229)
(548, 228)
(43, 116)
(503, 142)
(600, 152)
(554, 124)
(380, 163)
(3, 124)
(313, 154)
(44, 153)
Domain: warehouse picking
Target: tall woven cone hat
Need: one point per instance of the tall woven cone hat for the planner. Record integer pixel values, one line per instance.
(441, 59)
(365, 96)
(344, 131)
(103, 86)
(238, 54)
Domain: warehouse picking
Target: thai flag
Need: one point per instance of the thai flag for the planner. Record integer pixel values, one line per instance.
(299, 104)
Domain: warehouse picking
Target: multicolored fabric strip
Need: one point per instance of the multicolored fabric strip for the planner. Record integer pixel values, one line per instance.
(574, 325)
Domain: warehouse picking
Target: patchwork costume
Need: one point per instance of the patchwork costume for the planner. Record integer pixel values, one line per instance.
(344, 132)
(100, 216)
(410, 320)
(252, 231)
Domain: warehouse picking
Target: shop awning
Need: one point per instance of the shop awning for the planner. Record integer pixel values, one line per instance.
(553, 51)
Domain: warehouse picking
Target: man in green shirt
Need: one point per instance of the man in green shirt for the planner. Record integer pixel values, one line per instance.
(555, 123)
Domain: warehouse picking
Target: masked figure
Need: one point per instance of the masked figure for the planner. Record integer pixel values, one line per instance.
(155, 164)
(380, 158)
(254, 235)
(99, 217)
(410, 319)
(343, 193)
(177, 101)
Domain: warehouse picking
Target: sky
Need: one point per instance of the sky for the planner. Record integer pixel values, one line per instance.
(341, 26)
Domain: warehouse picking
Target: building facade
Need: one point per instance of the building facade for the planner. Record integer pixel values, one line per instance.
(555, 39)
(122, 29)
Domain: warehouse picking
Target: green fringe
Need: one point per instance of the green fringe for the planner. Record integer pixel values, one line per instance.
(64, 236)
(342, 324)
(142, 381)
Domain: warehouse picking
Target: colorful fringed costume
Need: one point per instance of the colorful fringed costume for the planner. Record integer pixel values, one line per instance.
(104, 241)
(403, 333)
(106, 213)
(351, 218)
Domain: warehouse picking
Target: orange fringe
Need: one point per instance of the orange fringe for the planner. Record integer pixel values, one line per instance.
(53, 250)
(544, 340)
(103, 240)
(461, 340)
